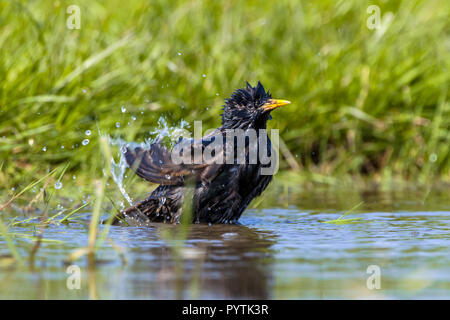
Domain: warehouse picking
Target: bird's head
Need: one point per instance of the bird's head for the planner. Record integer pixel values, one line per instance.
(249, 107)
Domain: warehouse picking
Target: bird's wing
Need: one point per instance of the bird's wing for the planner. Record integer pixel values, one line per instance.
(156, 164)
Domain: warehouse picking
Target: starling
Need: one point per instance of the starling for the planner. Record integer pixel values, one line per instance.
(215, 191)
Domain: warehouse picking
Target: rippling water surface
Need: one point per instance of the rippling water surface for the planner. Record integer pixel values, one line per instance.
(282, 250)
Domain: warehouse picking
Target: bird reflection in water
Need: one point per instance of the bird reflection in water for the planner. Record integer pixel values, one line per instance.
(213, 262)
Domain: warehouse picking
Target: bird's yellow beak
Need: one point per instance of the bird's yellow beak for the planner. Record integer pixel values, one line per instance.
(274, 103)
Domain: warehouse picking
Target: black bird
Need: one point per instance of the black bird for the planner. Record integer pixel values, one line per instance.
(218, 192)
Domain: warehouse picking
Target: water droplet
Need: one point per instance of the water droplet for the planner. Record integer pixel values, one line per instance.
(117, 124)
(62, 147)
(88, 132)
(84, 90)
(179, 53)
(74, 177)
(217, 94)
(44, 149)
(13, 189)
(229, 235)
(123, 109)
(433, 157)
(133, 118)
(85, 142)
(204, 75)
(58, 185)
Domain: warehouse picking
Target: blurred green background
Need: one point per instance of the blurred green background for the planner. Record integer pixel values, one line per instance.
(366, 102)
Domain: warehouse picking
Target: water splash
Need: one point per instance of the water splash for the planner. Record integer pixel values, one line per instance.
(163, 133)
(168, 135)
(118, 169)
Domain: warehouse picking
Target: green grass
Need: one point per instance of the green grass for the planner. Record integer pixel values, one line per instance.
(341, 219)
(365, 102)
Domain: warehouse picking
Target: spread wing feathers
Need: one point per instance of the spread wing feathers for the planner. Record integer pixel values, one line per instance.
(156, 165)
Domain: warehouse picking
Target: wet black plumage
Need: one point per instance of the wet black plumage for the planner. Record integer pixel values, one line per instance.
(218, 192)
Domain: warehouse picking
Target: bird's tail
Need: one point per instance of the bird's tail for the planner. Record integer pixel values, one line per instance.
(144, 213)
